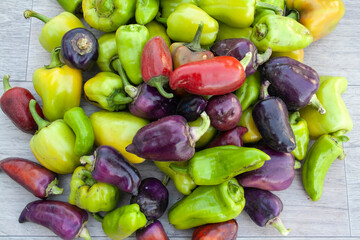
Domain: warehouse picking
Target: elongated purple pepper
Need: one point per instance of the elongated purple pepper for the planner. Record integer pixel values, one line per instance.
(168, 139)
(108, 165)
(65, 220)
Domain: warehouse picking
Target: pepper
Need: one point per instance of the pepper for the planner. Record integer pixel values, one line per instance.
(259, 13)
(90, 195)
(168, 6)
(230, 137)
(249, 92)
(108, 15)
(319, 16)
(206, 137)
(208, 204)
(301, 132)
(53, 144)
(130, 41)
(73, 6)
(78, 121)
(252, 135)
(281, 34)
(59, 87)
(146, 10)
(157, 29)
(54, 28)
(223, 230)
(226, 32)
(298, 55)
(337, 117)
(123, 221)
(117, 129)
(106, 90)
(107, 51)
(321, 155)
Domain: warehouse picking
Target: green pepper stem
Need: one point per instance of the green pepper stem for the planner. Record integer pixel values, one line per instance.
(90, 159)
(267, 6)
(6, 83)
(234, 191)
(55, 59)
(53, 189)
(84, 233)
(277, 223)
(195, 44)
(29, 13)
(179, 169)
(165, 180)
(129, 89)
(87, 177)
(294, 118)
(197, 132)
(315, 103)
(161, 19)
(246, 60)
(97, 217)
(262, 58)
(339, 139)
(294, 14)
(297, 164)
(39, 121)
(158, 83)
(120, 98)
(264, 90)
(104, 8)
(260, 31)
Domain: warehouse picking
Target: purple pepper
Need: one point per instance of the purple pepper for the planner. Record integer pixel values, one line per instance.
(191, 106)
(153, 198)
(264, 208)
(65, 220)
(154, 230)
(276, 174)
(238, 47)
(292, 81)
(108, 165)
(168, 139)
(231, 137)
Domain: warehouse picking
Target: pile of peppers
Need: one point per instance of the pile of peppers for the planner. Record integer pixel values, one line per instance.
(215, 94)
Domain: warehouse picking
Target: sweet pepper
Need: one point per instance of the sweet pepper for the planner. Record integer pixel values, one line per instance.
(259, 13)
(157, 29)
(301, 132)
(226, 32)
(146, 10)
(252, 135)
(298, 55)
(168, 6)
(107, 51)
(249, 92)
(73, 6)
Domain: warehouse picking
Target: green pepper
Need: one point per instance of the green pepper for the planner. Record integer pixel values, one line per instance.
(215, 165)
(79, 122)
(146, 11)
(183, 182)
(301, 132)
(252, 135)
(130, 41)
(54, 28)
(321, 155)
(107, 51)
(123, 221)
(73, 6)
(249, 92)
(259, 13)
(206, 137)
(281, 34)
(88, 194)
(168, 6)
(226, 32)
(108, 15)
(208, 204)
(157, 29)
(53, 144)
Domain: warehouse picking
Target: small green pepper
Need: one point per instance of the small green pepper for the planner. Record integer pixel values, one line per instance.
(168, 6)
(157, 29)
(226, 32)
(73, 6)
(207, 136)
(123, 221)
(208, 204)
(249, 92)
(88, 194)
(107, 51)
(130, 41)
(301, 132)
(259, 13)
(79, 122)
(146, 11)
(321, 155)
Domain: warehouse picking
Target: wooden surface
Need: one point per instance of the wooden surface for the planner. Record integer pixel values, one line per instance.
(335, 216)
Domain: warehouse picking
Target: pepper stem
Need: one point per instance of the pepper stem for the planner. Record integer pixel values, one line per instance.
(158, 83)
(165, 180)
(267, 6)
(297, 164)
(262, 58)
(129, 89)
(97, 217)
(195, 44)
(294, 14)
(294, 118)
(277, 223)
(29, 13)
(55, 59)
(39, 121)
(120, 98)
(264, 90)
(6, 83)
(161, 19)
(197, 132)
(260, 31)
(90, 159)
(53, 189)
(234, 191)
(87, 177)
(84, 233)
(315, 103)
(246, 60)
(179, 169)
(339, 139)
(104, 8)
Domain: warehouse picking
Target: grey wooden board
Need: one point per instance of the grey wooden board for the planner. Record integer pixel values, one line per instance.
(335, 216)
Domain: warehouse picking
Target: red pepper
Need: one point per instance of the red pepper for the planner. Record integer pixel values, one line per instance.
(15, 104)
(156, 64)
(216, 231)
(214, 76)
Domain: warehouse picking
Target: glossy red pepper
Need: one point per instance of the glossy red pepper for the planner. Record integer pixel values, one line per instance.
(214, 76)
(216, 231)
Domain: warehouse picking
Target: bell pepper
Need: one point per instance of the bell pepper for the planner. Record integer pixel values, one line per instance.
(223, 230)
(53, 144)
(168, 6)
(73, 6)
(157, 29)
(108, 15)
(206, 137)
(337, 117)
(259, 13)
(298, 55)
(319, 16)
(321, 155)
(54, 28)
(252, 135)
(249, 92)
(301, 132)
(281, 34)
(117, 129)
(208, 204)
(90, 195)
(226, 32)
(107, 51)
(106, 90)
(79, 122)
(123, 221)
(130, 41)
(59, 87)
(146, 10)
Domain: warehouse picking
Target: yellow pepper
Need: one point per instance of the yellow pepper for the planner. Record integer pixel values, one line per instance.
(252, 135)
(298, 55)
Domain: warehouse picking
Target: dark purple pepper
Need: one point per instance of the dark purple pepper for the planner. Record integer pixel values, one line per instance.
(108, 165)
(292, 81)
(231, 137)
(224, 111)
(276, 174)
(237, 48)
(153, 198)
(65, 220)
(153, 231)
(148, 103)
(264, 208)
(271, 119)
(168, 139)
(79, 48)
(191, 106)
